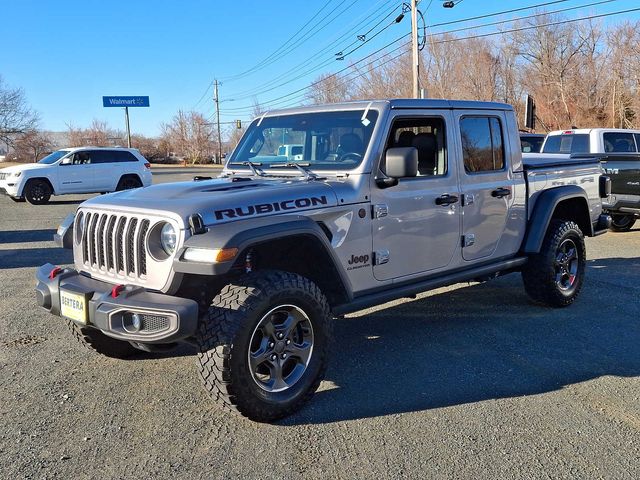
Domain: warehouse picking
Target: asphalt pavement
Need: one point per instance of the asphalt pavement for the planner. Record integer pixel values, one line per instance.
(469, 381)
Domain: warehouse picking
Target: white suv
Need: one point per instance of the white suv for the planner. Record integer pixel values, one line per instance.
(76, 170)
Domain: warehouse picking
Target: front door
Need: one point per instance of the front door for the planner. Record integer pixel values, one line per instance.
(486, 184)
(416, 223)
(75, 174)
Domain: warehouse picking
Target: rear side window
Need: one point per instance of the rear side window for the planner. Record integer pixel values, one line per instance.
(567, 143)
(112, 156)
(618, 142)
(482, 144)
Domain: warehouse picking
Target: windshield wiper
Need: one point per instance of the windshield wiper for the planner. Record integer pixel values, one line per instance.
(252, 166)
(308, 174)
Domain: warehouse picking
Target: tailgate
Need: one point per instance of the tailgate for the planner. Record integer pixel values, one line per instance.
(624, 171)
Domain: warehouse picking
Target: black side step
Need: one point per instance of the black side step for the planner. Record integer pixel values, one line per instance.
(392, 292)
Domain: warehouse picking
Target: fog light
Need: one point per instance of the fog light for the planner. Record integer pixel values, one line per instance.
(132, 322)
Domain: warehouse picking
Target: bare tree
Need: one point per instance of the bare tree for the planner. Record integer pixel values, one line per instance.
(190, 135)
(32, 146)
(16, 117)
(99, 134)
(329, 89)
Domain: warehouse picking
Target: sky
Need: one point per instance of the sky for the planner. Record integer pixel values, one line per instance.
(67, 54)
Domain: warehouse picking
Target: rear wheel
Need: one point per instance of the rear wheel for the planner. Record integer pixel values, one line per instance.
(622, 223)
(554, 276)
(128, 182)
(37, 192)
(97, 342)
(264, 344)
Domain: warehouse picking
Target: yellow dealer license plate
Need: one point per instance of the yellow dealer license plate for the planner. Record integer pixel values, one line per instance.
(73, 306)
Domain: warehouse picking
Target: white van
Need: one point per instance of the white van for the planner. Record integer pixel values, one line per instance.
(76, 170)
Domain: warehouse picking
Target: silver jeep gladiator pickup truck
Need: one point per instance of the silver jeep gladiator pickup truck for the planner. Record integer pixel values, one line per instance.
(388, 198)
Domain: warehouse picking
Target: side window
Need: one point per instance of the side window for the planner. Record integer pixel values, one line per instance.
(101, 156)
(427, 135)
(122, 156)
(482, 144)
(81, 158)
(618, 142)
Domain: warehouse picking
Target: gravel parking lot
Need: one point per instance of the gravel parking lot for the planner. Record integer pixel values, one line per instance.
(472, 382)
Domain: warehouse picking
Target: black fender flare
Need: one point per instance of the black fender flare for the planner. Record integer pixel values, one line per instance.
(245, 234)
(543, 210)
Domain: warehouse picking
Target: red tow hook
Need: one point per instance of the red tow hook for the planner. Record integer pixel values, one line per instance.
(54, 271)
(115, 291)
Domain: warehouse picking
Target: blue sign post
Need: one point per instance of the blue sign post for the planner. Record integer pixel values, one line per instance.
(126, 102)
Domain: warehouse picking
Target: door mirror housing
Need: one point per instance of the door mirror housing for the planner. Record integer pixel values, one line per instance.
(401, 162)
(66, 160)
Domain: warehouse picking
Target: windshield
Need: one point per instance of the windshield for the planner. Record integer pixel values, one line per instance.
(319, 140)
(567, 143)
(53, 157)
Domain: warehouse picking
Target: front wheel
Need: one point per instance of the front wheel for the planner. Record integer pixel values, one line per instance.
(37, 192)
(555, 275)
(622, 223)
(263, 344)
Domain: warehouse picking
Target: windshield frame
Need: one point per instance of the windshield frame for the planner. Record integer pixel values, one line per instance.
(233, 164)
(62, 154)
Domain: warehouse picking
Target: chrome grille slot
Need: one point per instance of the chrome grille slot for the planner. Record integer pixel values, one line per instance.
(100, 241)
(119, 245)
(85, 244)
(131, 253)
(141, 246)
(91, 238)
(108, 240)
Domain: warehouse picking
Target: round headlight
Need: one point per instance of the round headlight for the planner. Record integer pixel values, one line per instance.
(168, 238)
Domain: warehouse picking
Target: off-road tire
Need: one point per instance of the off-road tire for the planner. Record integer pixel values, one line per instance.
(225, 333)
(540, 274)
(128, 182)
(37, 192)
(97, 342)
(622, 223)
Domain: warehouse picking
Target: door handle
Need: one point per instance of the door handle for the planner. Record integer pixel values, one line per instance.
(446, 199)
(501, 192)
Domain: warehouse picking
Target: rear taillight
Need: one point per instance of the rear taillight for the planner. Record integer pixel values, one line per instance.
(147, 165)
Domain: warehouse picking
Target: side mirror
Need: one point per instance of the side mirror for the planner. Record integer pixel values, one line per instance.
(401, 162)
(66, 161)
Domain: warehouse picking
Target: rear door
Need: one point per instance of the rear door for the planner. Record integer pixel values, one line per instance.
(486, 183)
(107, 169)
(623, 163)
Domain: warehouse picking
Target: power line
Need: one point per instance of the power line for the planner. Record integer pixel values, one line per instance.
(518, 29)
(275, 52)
(249, 93)
(203, 95)
(252, 94)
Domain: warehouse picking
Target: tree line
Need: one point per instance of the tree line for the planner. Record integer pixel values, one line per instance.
(582, 74)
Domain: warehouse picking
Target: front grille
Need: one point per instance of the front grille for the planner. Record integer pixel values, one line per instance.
(3, 176)
(115, 244)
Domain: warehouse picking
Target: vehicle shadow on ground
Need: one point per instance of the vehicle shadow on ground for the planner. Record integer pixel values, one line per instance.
(476, 343)
(34, 257)
(20, 236)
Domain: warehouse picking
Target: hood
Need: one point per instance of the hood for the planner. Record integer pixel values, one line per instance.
(23, 167)
(223, 200)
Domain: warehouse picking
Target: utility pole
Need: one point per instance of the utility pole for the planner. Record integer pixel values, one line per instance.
(216, 99)
(414, 49)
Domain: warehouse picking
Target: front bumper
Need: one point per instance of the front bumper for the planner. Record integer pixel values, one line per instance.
(9, 189)
(164, 319)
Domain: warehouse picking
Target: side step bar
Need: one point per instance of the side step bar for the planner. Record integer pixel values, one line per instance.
(393, 292)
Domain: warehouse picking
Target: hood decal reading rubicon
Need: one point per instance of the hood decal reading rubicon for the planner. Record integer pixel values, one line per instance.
(264, 208)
